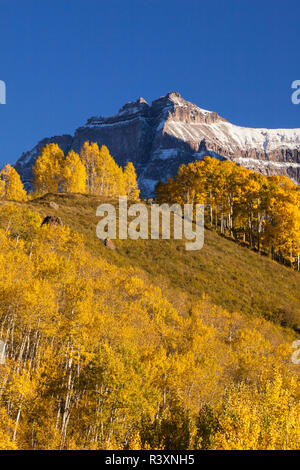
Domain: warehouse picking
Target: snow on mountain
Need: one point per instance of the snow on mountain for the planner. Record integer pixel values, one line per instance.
(231, 136)
(159, 137)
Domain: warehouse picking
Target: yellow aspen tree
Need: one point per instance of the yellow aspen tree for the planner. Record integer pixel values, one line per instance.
(6, 426)
(47, 170)
(185, 180)
(249, 203)
(131, 186)
(120, 182)
(282, 230)
(2, 189)
(11, 186)
(89, 155)
(169, 192)
(260, 417)
(109, 176)
(104, 176)
(210, 169)
(74, 174)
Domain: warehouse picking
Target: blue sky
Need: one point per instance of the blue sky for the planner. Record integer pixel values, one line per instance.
(64, 61)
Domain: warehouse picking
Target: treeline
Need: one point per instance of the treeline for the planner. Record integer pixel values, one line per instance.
(261, 211)
(93, 171)
(98, 358)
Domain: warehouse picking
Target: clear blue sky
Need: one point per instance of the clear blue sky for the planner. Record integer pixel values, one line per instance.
(64, 61)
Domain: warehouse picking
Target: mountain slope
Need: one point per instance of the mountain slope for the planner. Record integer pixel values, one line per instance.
(159, 137)
(122, 343)
(231, 275)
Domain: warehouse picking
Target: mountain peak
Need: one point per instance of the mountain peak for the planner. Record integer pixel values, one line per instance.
(141, 100)
(159, 137)
(174, 100)
(173, 94)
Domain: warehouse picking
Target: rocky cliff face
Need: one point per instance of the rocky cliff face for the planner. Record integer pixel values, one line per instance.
(159, 137)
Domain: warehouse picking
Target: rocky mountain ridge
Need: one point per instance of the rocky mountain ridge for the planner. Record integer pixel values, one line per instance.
(159, 137)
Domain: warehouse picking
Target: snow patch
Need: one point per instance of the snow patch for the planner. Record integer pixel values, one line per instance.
(165, 154)
(112, 124)
(266, 163)
(234, 137)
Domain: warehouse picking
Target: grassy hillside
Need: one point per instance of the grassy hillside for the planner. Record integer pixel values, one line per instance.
(231, 275)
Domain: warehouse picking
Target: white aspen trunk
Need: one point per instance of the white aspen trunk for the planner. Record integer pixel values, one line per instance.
(17, 421)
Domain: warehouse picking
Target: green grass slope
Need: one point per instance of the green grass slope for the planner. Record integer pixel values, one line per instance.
(231, 275)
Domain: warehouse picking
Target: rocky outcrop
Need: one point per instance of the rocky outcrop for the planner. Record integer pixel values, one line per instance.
(52, 220)
(159, 137)
(53, 205)
(109, 244)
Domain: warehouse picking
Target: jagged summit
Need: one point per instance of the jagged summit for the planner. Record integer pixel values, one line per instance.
(176, 99)
(141, 100)
(160, 136)
(133, 107)
(174, 94)
(172, 104)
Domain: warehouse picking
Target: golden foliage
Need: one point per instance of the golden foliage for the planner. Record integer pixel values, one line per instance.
(11, 186)
(94, 171)
(98, 358)
(261, 211)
